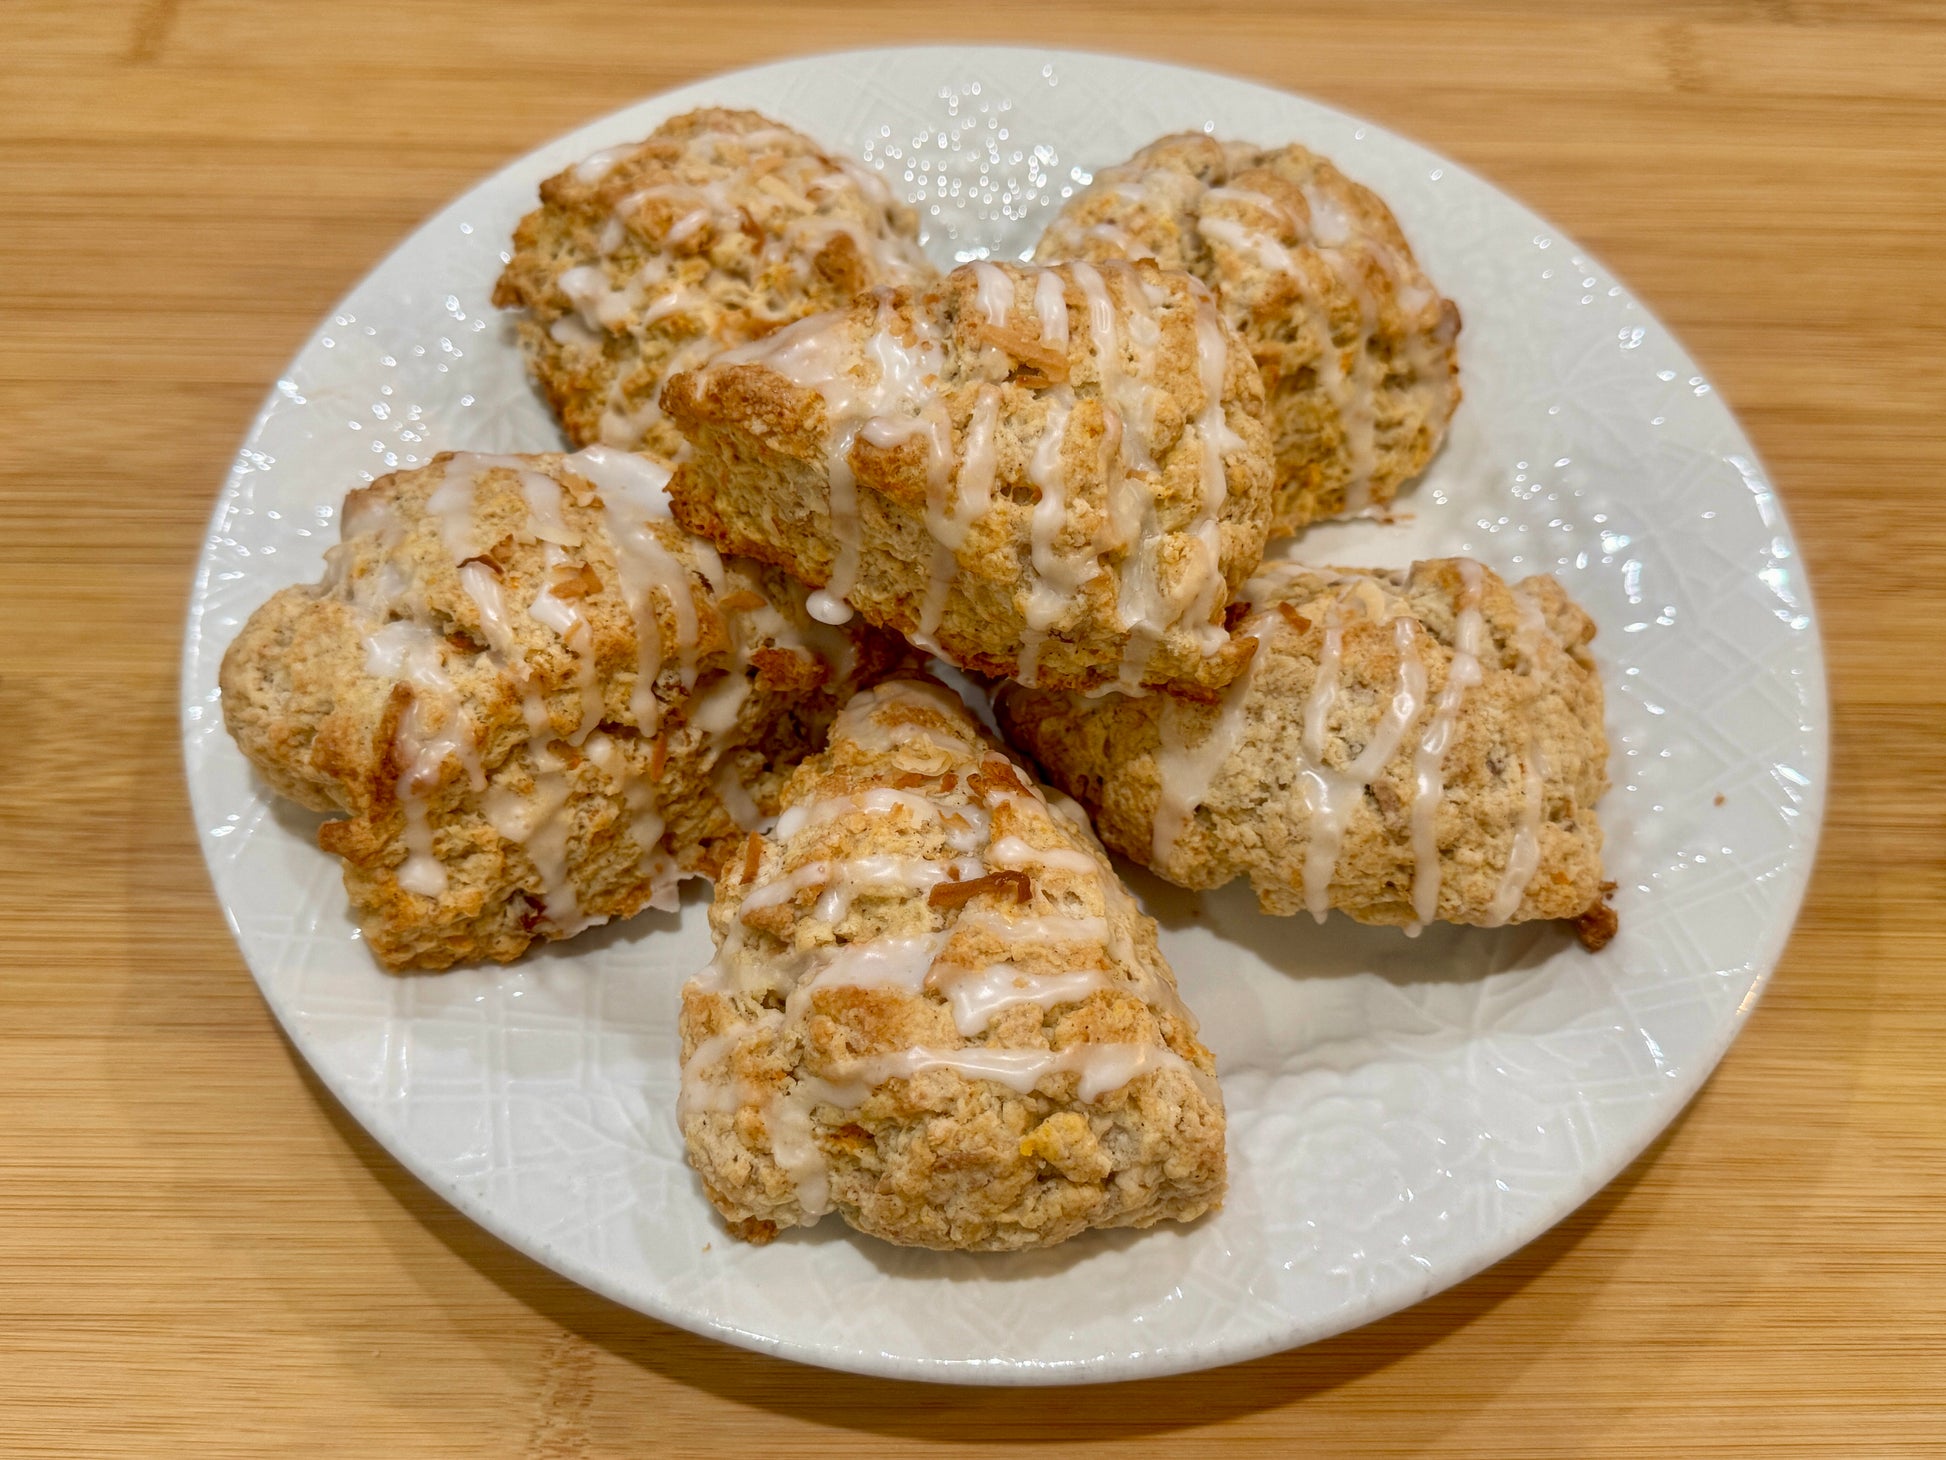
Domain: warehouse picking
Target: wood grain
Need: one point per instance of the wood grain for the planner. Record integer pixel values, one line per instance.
(200, 1255)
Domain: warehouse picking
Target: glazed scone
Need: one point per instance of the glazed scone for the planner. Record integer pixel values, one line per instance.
(1058, 474)
(1357, 349)
(935, 1010)
(534, 699)
(1404, 747)
(647, 259)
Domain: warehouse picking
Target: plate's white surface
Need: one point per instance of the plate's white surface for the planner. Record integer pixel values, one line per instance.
(1402, 1113)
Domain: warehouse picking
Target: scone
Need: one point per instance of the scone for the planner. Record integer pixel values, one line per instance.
(1357, 349)
(534, 699)
(1056, 474)
(934, 1009)
(1404, 747)
(647, 259)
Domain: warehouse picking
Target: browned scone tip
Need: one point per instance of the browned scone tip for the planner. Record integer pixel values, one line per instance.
(980, 1072)
(648, 258)
(1404, 747)
(1058, 474)
(1357, 349)
(533, 701)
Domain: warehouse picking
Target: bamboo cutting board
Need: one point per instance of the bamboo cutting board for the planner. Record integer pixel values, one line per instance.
(199, 1254)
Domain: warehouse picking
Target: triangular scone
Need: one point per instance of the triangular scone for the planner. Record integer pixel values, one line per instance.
(648, 258)
(536, 700)
(1404, 747)
(935, 1010)
(1056, 474)
(1357, 349)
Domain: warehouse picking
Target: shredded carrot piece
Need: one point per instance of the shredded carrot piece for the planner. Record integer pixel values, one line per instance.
(958, 894)
(1295, 619)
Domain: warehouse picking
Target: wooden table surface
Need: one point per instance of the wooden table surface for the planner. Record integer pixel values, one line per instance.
(201, 1254)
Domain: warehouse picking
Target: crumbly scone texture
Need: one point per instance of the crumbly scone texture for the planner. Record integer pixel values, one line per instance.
(925, 911)
(1524, 747)
(716, 229)
(1358, 350)
(1058, 474)
(462, 688)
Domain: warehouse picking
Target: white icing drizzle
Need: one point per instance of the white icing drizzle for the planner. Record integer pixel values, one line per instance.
(993, 293)
(1187, 772)
(545, 517)
(540, 824)
(1103, 1068)
(715, 712)
(1254, 199)
(965, 826)
(950, 527)
(1014, 852)
(895, 963)
(1128, 416)
(1057, 577)
(594, 167)
(634, 497)
(1040, 928)
(977, 996)
(1523, 858)
(433, 729)
(1330, 796)
(646, 824)
(565, 618)
(1051, 308)
(1212, 363)
(936, 426)
(698, 1093)
(840, 882)
(1270, 255)
(857, 723)
(452, 500)
(1428, 788)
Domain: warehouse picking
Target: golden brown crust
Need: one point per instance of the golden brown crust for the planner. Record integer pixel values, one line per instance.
(460, 676)
(853, 1045)
(1356, 347)
(1244, 789)
(910, 458)
(716, 229)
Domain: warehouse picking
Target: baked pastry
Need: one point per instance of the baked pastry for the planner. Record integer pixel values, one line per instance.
(1058, 474)
(647, 259)
(1404, 747)
(535, 700)
(935, 1010)
(1356, 347)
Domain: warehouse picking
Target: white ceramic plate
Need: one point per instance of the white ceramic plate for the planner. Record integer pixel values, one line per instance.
(1401, 1113)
